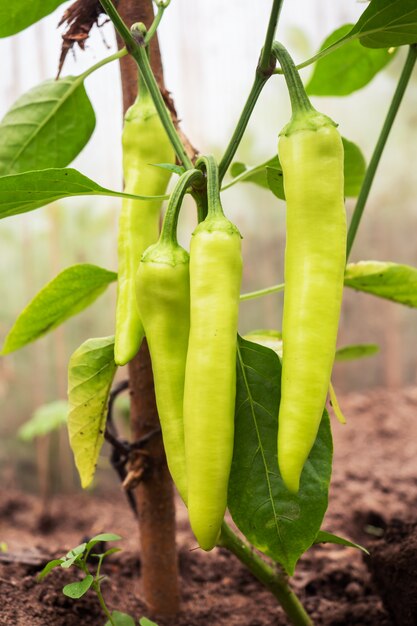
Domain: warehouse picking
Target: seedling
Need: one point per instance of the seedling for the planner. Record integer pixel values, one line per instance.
(80, 557)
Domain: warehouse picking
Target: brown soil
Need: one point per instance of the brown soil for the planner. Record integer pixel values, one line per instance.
(373, 497)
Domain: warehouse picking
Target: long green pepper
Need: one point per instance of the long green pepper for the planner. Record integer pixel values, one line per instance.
(210, 375)
(163, 296)
(145, 143)
(311, 154)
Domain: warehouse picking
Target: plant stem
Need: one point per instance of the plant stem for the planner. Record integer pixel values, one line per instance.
(96, 587)
(300, 102)
(262, 292)
(258, 84)
(264, 70)
(154, 26)
(169, 227)
(374, 162)
(113, 57)
(265, 60)
(136, 47)
(271, 579)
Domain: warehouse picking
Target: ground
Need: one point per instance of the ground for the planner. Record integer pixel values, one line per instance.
(372, 501)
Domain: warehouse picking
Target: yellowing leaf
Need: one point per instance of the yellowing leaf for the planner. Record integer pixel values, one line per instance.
(90, 374)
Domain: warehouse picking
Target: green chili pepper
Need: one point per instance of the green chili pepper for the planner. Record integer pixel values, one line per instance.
(311, 154)
(163, 295)
(210, 376)
(145, 142)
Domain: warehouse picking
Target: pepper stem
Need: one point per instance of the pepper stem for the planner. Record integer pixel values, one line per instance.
(300, 102)
(169, 227)
(209, 164)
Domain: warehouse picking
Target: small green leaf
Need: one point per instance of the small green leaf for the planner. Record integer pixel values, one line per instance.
(19, 14)
(257, 175)
(76, 551)
(45, 419)
(121, 619)
(105, 537)
(325, 537)
(48, 567)
(70, 562)
(360, 351)
(47, 127)
(391, 281)
(171, 167)
(144, 621)
(67, 294)
(387, 23)
(90, 374)
(354, 168)
(108, 552)
(280, 524)
(25, 192)
(276, 182)
(78, 589)
(357, 65)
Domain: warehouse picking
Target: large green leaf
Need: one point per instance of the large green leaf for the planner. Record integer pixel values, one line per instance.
(67, 294)
(19, 14)
(280, 524)
(348, 68)
(387, 23)
(90, 374)
(20, 193)
(391, 281)
(269, 174)
(45, 419)
(46, 127)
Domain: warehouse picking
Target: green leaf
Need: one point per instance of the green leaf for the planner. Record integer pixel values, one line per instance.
(275, 180)
(355, 64)
(257, 175)
(90, 374)
(45, 419)
(78, 589)
(269, 174)
(76, 551)
(266, 337)
(144, 621)
(325, 537)
(121, 619)
(48, 567)
(387, 23)
(278, 523)
(20, 193)
(360, 351)
(354, 168)
(46, 127)
(67, 294)
(171, 167)
(104, 537)
(391, 281)
(19, 14)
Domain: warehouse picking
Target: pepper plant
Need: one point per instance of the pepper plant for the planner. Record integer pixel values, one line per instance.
(218, 394)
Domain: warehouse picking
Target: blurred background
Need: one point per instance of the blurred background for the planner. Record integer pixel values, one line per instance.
(210, 50)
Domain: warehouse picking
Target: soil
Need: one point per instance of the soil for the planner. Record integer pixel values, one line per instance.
(372, 501)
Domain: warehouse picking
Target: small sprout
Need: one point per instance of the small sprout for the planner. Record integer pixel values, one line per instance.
(79, 557)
